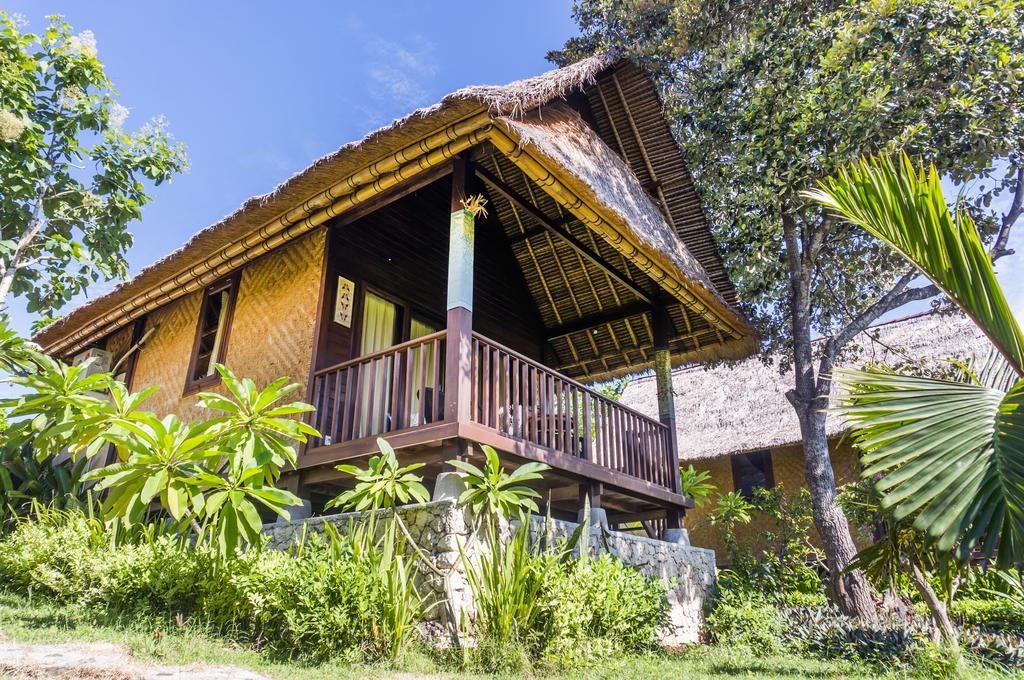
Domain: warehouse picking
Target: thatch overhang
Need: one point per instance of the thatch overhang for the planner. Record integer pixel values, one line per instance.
(593, 192)
(742, 407)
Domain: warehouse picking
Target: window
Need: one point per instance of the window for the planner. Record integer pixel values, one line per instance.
(751, 471)
(212, 332)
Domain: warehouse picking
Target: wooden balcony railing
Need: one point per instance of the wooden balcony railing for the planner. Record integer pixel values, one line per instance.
(402, 387)
(526, 400)
(393, 389)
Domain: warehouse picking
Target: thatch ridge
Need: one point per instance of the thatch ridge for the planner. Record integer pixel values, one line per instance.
(741, 407)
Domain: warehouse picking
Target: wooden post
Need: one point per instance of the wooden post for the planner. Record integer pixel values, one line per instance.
(666, 403)
(459, 351)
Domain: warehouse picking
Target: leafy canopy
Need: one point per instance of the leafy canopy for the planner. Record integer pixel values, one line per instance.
(71, 178)
(496, 493)
(766, 97)
(383, 484)
(212, 475)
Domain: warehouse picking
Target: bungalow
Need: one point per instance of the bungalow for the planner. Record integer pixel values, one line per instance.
(372, 278)
(735, 422)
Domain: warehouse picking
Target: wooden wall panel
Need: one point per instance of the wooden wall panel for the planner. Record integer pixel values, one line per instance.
(401, 250)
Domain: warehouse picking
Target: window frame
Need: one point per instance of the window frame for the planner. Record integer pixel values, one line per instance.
(232, 282)
(768, 469)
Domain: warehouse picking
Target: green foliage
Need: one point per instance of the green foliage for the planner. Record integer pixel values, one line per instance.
(946, 452)
(940, 79)
(24, 480)
(492, 492)
(211, 475)
(382, 484)
(72, 179)
(752, 622)
(780, 559)
(695, 485)
(507, 582)
(339, 594)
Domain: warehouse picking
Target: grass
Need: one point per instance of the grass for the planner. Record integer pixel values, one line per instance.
(35, 622)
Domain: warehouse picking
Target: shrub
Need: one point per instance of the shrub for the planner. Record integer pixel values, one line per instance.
(738, 620)
(994, 614)
(827, 633)
(606, 600)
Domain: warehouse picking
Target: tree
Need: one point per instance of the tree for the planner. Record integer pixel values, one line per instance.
(766, 97)
(71, 180)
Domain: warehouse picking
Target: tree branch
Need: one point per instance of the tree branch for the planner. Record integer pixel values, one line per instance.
(1010, 218)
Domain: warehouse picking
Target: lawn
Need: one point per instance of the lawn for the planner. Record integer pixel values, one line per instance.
(22, 621)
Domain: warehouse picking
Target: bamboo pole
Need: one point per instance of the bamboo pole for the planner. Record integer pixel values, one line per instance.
(280, 230)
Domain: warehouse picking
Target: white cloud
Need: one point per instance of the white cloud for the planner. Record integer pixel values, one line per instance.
(399, 73)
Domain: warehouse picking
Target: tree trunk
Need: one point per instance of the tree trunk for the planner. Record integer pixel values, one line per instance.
(849, 591)
(936, 607)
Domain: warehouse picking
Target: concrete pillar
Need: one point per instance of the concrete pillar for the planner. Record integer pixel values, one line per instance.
(459, 349)
(449, 486)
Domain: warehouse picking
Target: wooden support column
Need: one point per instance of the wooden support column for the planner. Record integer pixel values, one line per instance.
(459, 350)
(666, 402)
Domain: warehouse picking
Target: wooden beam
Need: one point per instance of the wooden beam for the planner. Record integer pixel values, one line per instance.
(560, 231)
(594, 320)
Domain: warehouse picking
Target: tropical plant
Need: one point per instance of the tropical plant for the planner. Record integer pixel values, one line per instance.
(507, 582)
(24, 480)
(494, 493)
(382, 484)
(695, 485)
(947, 453)
(767, 97)
(72, 179)
(212, 474)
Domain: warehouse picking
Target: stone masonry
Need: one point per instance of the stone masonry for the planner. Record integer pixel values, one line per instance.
(440, 527)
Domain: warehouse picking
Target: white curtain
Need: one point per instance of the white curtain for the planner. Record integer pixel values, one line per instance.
(418, 329)
(378, 332)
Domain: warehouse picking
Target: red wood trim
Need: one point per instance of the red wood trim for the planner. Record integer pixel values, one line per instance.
(411, 436)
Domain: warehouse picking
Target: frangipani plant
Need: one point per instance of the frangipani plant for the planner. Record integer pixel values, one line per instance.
(211, 475)
(949, 453)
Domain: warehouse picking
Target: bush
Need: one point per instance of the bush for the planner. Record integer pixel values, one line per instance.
(606, 600)
(747, 621)
(994, 614)
(825, 632)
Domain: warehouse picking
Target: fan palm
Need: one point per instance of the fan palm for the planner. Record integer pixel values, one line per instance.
(950, 454)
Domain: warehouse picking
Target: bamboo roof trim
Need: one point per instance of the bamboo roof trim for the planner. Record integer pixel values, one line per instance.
(742, 407)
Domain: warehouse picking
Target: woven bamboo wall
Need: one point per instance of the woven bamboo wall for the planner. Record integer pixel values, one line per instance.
(118, 343)
(788, 468)
(271, 330)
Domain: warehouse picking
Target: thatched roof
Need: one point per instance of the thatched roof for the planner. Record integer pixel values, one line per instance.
(743, 407)
(695, 260)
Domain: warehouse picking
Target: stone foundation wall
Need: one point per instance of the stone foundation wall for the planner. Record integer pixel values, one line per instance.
(440, 527)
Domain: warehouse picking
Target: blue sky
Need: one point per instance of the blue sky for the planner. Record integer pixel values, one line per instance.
(257, 90)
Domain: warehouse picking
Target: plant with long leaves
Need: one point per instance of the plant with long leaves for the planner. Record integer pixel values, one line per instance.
(492, 492)
(694, 484)
(950, 454)
(382, 484)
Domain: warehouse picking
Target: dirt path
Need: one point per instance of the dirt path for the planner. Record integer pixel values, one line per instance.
(101, 661)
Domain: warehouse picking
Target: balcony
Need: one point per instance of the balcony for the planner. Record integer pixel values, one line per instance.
(525, 410)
